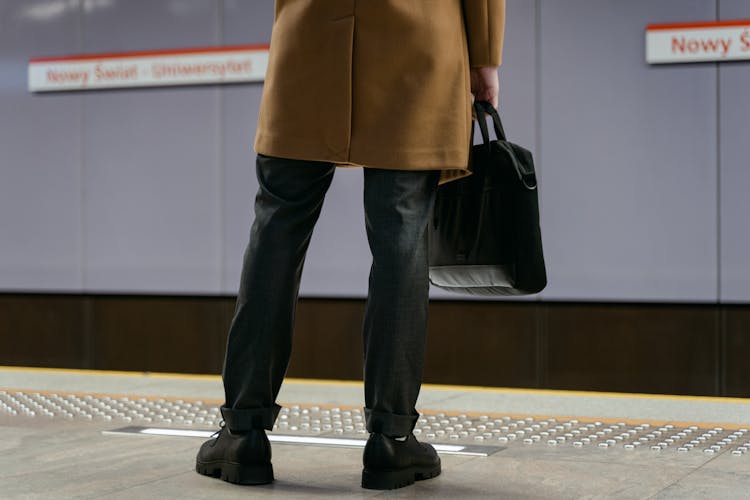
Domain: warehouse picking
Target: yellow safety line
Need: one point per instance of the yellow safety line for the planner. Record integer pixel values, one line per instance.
(439, 387)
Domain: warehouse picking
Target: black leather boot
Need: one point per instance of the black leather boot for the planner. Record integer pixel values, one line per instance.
(390, 463)
(241, 458)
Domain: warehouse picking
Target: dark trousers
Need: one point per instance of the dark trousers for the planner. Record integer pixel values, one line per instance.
(398, 205)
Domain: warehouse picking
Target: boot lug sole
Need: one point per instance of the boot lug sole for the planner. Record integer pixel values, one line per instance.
(393, 479)
(236, 473)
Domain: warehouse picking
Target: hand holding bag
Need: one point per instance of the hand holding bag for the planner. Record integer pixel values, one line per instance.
(485, 237)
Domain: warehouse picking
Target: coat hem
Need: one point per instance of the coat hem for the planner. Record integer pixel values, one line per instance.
(446, 161)
(442, 159)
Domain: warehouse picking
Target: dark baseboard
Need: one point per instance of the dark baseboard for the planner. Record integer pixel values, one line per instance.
(649, 348)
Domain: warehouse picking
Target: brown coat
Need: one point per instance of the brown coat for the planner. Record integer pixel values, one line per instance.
(376, 83)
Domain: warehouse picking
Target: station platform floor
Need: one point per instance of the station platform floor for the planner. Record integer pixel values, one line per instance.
(93, 434)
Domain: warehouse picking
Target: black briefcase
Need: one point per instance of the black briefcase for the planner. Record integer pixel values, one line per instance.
(484, 235)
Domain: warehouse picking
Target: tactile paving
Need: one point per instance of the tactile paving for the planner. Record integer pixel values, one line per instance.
(437, 427)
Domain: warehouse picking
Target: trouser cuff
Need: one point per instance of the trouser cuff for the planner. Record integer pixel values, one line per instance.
(243, 419)
(390, 424)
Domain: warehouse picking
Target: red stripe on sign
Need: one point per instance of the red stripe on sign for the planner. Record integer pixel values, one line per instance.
(147, 53)
(713, 24)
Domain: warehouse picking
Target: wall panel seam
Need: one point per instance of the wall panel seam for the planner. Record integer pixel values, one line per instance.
(220, 144)
(719, 295)
(542, 310)
(720, 385)
(82, 167)
(538, 106)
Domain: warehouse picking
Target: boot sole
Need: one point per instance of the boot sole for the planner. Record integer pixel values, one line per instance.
(398, 478)
(236, 473)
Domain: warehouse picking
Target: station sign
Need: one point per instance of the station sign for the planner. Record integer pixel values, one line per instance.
(195, 66)
(698, 42)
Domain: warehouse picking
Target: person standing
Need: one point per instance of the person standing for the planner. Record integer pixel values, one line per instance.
(386, 85)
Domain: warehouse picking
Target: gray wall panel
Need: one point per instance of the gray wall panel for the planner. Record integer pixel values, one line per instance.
(116, 25)
(246, 22)
(40, 165)
(628, 156)
(243, 23)
(518, 82)
(239, 184)
(152, 172)
(153, 188)
(339, 256)
(735, 175)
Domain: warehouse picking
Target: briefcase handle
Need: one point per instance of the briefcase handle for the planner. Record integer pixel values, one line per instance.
(482, 108)
(526, 176)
